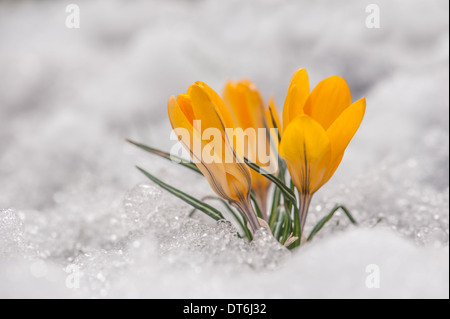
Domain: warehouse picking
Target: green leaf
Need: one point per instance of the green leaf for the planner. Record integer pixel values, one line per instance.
(173, 158)
(207, 209)
(277, 225)
(275, 204)
(347, 213)
(287, 228)
(255, 203)
(297, 229)
(325, 219)
(290, 195)
(274, 123)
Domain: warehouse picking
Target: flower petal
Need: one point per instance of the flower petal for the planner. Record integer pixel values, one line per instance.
(334, 164)
(342, 131)
(178, 117)
(298, 93)
(185, 104)
(204, 109)
(215, 171)
(239, 180)
(345, 126)
(327, 101)
(218, 103)
(306, 148)
(272, 116)
(245, 104)
(247, 108)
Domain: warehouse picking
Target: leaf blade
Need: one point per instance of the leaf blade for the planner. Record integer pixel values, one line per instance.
(173, 158)
(325, 219)
(207, 209)
(286, 191)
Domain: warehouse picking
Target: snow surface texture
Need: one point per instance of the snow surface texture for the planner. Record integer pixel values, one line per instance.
(77, 219)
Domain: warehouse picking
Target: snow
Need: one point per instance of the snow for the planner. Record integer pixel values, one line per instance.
(78, 220)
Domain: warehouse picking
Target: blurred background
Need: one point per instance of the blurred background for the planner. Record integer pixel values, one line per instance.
(70, 96)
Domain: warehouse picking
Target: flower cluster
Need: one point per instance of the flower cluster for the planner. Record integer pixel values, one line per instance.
(238, 143)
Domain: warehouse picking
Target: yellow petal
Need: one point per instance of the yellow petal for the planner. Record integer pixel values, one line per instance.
(177, 116)
(231, 181)
(204, 109)
(185, 104)
(260, 183)
(306, 149)
(272, 116)
(235, 100)
(327, 101)
(296, 97)
(215, 171)
(334, 164)
(342, 131)
(210, 108)
(239, 180)
(218, 103)
(247, 109)
(245, 104)
(345, 126)
(273, 120)
(189, 137)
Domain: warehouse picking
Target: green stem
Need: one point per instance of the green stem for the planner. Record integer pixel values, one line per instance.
(255, 201)
(247, 209)
(305, 201)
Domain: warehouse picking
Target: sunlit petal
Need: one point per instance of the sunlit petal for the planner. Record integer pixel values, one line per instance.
(247, 109)
(298, 93)
(306, 149)
(217, 102)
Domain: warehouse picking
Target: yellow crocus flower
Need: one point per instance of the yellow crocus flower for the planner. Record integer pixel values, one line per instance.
(191, 115)
(248, 112)
(317, 128)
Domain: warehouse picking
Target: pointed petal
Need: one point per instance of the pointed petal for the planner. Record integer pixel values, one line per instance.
(204, 109)
(327, 101)
(184, 102)
(306, 148)
(334, 164)
(272, 115)
(191, 140)
(239, 181)
(218, 103)
(296, 97)
(247, 108)
(235, 99)
(260, 184)
(342, 131)
(345, 126)
(245, 103)
(177, 117)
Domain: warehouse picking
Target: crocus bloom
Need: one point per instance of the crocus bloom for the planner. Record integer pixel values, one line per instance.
(191, 116)
(248, 112)
(317, 128)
